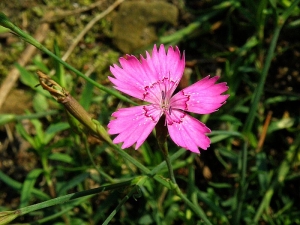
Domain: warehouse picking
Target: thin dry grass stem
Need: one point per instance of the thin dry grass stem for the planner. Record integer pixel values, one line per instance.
(25, 57)
(264, 132)
(41, 34)
(61, 14)
(88, 27)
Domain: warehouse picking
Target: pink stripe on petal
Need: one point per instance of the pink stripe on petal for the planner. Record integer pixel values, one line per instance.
(190, 133)
(153, 63)
(124, 75)
(135, 134)
(120, 124)
(202, 106)
(158, 60)
(176, 64)
(133, 74)
(127, 88)
(211, 99)
(203, 97)
(137, 69)
(204, 83)
(126, 83)
(124, 119)
(133, 125)
(165, 65)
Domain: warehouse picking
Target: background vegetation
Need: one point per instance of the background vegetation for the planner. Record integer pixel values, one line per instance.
(249, 175)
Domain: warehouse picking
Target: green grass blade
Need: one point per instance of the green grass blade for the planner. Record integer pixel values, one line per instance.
(280, 177)
(59, 69)
(72, 183)
(28, 185)
(87, 93)
(4, 21)
(18, 186)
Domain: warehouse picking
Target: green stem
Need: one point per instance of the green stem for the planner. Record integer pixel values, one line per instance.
(60, 212)
(281, 175)
(260, 86)
(242, 185)
(98, 129)
(169, 185)
(114, 212)
(69, 197)
(160, 166)
(259, 90)
(199, 212)
(286, 14)
(161, 136)
(254, 105)
(47, 170)
(6, 118)
(169, 164)
(134, 190)
(6, 23)
(106, 176)
(7, 216)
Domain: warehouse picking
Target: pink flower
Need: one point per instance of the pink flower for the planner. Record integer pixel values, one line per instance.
(154, 80)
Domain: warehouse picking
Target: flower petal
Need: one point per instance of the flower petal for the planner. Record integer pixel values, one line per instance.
(135, 77)
(187, 131)
(132, 78)
(127, 88)
(133, 125)
(167, 68)
(202, 97)
(166, 65)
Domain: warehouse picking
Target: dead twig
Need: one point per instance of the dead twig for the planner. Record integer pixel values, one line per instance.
(264, 132)
(13, 76)
(89, 26)
(61, 14)
(41, 34)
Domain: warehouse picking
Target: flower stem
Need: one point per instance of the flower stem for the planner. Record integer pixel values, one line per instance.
(168, 161)
(197, 209)
(161, 135)
(101, 172)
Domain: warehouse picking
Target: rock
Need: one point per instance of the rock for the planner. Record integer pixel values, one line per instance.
(134, 25)
(17, 102)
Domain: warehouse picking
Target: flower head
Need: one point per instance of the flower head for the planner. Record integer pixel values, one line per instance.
(154, 79)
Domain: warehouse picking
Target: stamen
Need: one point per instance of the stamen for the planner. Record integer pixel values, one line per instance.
(163, 95)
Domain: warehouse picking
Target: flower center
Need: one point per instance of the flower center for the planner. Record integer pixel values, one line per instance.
(165, 104)
(160, 93)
